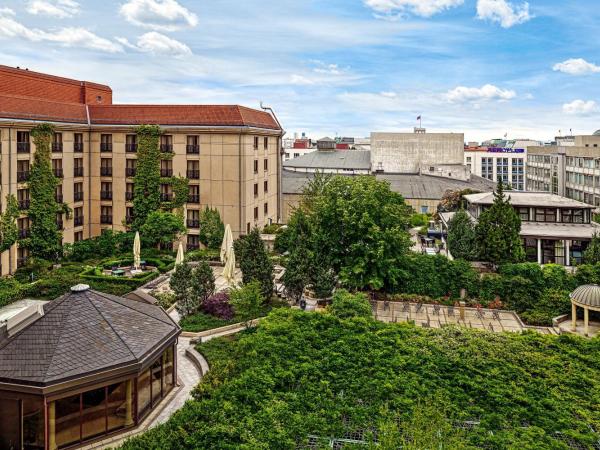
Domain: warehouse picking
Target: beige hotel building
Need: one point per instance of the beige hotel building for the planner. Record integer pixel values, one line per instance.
(230, 154)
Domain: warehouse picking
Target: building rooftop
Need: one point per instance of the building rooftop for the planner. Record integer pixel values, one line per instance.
(83, 333)
(530, 199)
(344, 160)
(587, 295)
(410, 186)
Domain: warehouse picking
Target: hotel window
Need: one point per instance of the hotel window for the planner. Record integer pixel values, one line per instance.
(266, 143)
(256, 213)
(194, 194)
(130, 166)
(572, 215)
(255, 142)
(106, 215)
(166, 143)
(78, 192)
(106, 142)
(193, 242)
(131, 143)
(487, 168)
(502, 170)
(58, 194)
(57, 142)
(106, 191)
(193, 170)
(266, 165)
(193, 218)
(256, 166)
(266, 186)
(166, 168)
(23, 142)
(22, 170)
(256, 189)
(78, 167)
(78, 142)
(193, 145)
(57, 168)
(78, 236)
(129, 192)
(523, 214)
(106, 167)
(78, 216)
(545, 215)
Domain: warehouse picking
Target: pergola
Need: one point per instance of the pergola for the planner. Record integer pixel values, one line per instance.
(588, 298)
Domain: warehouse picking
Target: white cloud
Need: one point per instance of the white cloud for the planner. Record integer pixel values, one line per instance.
(164, 15)
(157, 43)
(61, 9)
(300, 80)
(503, 12)
(67, 37)
(576, 66)
(423, 8)
(485, 93)
(580, 107)
(388, 94)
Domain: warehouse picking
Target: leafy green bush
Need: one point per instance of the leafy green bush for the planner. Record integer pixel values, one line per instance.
(346, 305)
(419, 220)
(301, 374)
(272, 229)
(206, 254)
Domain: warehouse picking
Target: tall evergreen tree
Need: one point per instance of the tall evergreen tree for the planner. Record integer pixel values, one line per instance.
(462, 242)
(592, 253)
(181, 285)
(147, 176)
(497, 231)
(203, 282)
(45, 238)
(211, 228)
(8, 223)
(255, 262)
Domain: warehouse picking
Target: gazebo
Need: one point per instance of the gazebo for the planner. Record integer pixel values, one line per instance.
(588, 298)
(83, 367)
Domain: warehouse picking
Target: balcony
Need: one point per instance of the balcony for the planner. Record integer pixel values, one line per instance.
(192, 149)
(166, 173)
(129, 196)
(106, 171)
(60, 225)
(193, 198)
(166, 148)
(24, 233)
(105, 195)
(58, 173)
(59, 198)
(106, 219)
(193, 223)
(57, 147)
(106, 146)
(24, 204)
(23, 176)
(78, 147)
(78, 221)
(77, 171)
(166, 197)
(193, 246)
(193, 174)
(131, 148)
(23, 147)
(78, 196)
(130, 171)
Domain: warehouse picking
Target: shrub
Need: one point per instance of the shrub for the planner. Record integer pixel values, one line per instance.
(212, 228)
(247, 301)
(345, 305)
(419, 220)
(218, 306)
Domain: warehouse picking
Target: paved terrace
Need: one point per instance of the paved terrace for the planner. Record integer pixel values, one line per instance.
(438, 316)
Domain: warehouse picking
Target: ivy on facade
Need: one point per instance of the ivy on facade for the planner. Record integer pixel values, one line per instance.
(9, 232)
(45, 239)
(180, 188)
(147, 176)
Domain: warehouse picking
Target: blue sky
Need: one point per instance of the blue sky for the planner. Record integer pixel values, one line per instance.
(346, 67)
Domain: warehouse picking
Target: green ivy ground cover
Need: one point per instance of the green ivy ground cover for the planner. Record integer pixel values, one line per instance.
(301, 374)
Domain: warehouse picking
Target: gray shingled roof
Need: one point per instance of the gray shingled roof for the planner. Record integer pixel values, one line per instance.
(332, 159)
(539, 199)
(410, 186)
(587, 295)
(82, 333)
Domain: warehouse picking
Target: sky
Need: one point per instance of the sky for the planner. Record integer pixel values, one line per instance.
(486, 68)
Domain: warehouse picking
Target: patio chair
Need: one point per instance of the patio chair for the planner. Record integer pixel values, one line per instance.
(480, 314)
(436, 310)
(496, 315)
(425, 325)
(406, 307)
(386, 305)
(419, 307)
(451, 311)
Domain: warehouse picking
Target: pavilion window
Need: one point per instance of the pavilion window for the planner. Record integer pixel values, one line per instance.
(545, 215)
(93, 409)
(156, 382)
(33, 423)
(10, 435)
(118, 412)
(168, 368)
(144, 396)
(67, 421)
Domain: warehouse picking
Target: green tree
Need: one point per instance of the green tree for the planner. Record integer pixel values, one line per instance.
(346, 305)
(211, 228)
(592, 253)
(161, 228)
(147, 176)
(8, 223)
(203, 282)
(497, 231)
(359, 224)
(461, 236)
(181, 285)
(248, 302)
(255, 263)
(45, 238)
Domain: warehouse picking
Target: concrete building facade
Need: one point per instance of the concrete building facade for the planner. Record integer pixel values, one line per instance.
(230, 154)
(572, 171)
(413, 152)
(493, 163)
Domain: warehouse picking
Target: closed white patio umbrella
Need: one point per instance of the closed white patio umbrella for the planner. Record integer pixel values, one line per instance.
(137, 250)
(180, 257)
(228, 255)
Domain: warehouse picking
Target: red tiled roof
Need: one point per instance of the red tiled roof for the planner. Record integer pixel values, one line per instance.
(13, 107)
(27, 83)
(192, 115)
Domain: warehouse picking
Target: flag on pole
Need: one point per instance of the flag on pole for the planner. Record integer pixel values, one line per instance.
(419, 118)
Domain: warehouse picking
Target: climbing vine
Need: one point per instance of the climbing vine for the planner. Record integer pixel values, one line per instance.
(45, 239)
(147, 177)
(8, 223)
(180, 186)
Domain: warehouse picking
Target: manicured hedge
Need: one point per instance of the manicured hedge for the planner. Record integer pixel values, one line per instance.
(301, 374)
(163, 265)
